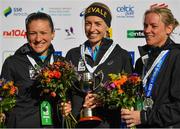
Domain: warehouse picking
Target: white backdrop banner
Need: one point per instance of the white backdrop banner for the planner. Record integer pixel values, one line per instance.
(127, 23)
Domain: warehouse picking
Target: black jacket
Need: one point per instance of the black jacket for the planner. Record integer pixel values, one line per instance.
(16, 68)
(166, 90)
(118, 61)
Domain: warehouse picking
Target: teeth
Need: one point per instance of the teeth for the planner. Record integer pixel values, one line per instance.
(93, 34)
(40, 45)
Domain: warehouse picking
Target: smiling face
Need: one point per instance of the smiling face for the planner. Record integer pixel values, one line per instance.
(95, 29)
(40, 36)
(156, 32)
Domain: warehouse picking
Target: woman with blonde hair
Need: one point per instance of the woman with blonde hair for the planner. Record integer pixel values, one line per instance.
(97, 53)
(159, 67)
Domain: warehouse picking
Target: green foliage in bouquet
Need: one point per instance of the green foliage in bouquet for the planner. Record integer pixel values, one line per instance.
(122, 90)
(56, 79)
(7, 98)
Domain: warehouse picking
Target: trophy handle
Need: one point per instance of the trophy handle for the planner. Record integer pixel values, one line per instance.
(100, 75)
(77, 83)
(80, 82)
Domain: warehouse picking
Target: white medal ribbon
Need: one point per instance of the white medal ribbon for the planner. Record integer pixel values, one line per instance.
(33, 62)
(153, 65)
(106, 55)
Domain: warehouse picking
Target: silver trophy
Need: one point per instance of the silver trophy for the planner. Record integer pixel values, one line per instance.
(89, 82)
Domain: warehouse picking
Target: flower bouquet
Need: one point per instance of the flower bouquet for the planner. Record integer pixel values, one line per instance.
(7, 98)
(56, 79)
(122, 91)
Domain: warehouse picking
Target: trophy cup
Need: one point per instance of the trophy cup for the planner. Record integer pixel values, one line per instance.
(89, 82)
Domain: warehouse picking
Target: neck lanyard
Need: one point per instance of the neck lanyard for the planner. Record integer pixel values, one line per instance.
(33, 62)
(156, 66)
(106, 55)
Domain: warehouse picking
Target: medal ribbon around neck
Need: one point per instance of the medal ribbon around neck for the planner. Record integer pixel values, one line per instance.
(106, 55)
(46, 116)
(156, 66)
(33, 62)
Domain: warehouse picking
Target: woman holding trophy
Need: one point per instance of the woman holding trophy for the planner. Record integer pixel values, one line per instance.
(95, 59)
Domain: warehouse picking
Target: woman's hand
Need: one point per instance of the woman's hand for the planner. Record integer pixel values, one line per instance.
(2, 118)
(131, 117)
(65, 108)
(91, 101)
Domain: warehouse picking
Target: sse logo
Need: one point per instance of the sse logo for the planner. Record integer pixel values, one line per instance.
(14, 33)
(15, 11)
(7, 11)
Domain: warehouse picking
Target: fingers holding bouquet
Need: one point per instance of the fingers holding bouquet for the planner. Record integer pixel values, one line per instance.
(65, 108)
(2, 117)
(131, 117)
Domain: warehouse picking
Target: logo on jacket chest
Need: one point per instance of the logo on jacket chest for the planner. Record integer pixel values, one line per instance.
(110, 62)
(81, 65)
(32, 73)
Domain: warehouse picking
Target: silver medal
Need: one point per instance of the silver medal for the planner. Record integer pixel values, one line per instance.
(147, 103)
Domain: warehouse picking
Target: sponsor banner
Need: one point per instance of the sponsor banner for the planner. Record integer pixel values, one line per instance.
(135, 34)
(68, 17)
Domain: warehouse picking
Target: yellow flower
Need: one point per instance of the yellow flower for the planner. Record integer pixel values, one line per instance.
(45, 74)
(6, 87)
(11, 83)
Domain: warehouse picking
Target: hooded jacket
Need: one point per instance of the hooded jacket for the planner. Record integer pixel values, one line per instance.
(16, 68)
(166, 90)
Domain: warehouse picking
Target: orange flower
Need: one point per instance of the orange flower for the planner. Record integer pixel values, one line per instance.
(125, 91)
(120, 91)
(117, 83)
(57, 74)
(7, 90)
(50, 74)
(134, 79)
(53, 94)
(120, 81)
(57, 63)
(123, 79)
(12, 90)
(56, 79)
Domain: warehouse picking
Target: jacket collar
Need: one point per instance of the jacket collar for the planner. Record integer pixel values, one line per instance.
(147, 49)
(104, 42)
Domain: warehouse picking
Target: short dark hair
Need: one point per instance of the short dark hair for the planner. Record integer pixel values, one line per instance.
(39, 15)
